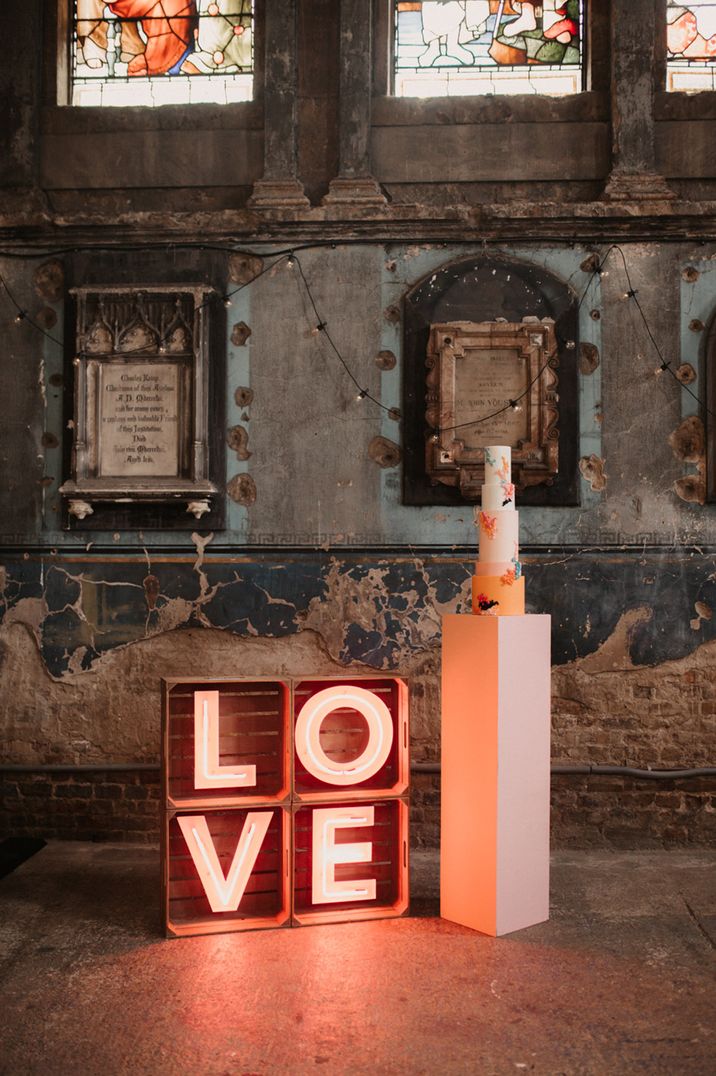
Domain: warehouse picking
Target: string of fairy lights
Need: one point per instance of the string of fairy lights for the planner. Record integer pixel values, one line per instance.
(597, 268)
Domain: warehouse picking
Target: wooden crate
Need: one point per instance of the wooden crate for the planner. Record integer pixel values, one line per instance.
(254, 730)
(267, 896)
(387, 866)
(209, 841)
(343, 737)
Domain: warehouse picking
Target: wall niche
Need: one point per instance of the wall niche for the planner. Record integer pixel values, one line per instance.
(490, 336)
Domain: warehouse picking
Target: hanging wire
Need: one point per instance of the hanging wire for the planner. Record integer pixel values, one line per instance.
(666, 366)
(23, 316)
(322, 328)
(511, 404)
(290, 255)
(225, 298)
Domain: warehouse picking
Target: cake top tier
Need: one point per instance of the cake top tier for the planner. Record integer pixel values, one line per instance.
(498, 464)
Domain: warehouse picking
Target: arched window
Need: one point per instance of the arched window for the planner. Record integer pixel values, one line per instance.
(469, 47)
(691, 45)
(158, 52)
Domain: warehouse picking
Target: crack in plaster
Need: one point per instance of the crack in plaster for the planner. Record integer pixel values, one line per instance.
(363, 607)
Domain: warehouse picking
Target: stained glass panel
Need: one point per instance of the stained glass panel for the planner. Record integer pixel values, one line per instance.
(691, 45)
(459, 47)
(160, 52)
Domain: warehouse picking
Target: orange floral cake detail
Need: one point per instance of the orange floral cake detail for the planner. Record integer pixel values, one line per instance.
(488, 524)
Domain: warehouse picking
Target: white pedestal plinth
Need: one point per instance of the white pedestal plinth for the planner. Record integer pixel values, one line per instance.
(494, 858)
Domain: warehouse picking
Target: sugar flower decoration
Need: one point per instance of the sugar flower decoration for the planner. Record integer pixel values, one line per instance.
(508, 493)
(488, 524)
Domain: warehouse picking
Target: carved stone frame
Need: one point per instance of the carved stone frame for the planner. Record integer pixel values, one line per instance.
(96, 357)
(535, 455)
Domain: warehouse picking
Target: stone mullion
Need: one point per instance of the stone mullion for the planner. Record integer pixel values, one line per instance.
(279, 185)
(634, 176)
(354, 182)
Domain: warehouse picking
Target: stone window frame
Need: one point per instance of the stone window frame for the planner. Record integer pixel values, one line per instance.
(58, 59)
(596, 75)
(661, 60)
(676, 104)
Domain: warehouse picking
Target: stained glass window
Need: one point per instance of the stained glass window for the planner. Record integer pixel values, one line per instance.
(691, 45)
(162, 52)
(458, 47)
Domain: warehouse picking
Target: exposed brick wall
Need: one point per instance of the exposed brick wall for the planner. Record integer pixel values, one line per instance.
(425, 810)
(659, 717)
(625, 812)
(107, 806)
(593, 811)
(587, 811)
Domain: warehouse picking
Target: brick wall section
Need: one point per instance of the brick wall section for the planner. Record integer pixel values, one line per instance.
(587, 811)
(600, 812)
(107, 806)
(624, 812)
(658, 718)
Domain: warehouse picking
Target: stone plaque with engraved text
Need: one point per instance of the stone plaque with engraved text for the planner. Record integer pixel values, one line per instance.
(138, 417)
(491, 383)
(485, 387)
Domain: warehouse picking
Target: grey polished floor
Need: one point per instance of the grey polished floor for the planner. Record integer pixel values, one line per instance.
(620, 980)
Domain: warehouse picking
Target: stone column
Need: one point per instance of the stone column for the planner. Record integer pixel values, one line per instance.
(634, 28)
(279, 185)
(354, 182)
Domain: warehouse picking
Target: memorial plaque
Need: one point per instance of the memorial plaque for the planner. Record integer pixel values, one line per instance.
(487, 383)
(140, 424)
(138, 417)
(485, 386)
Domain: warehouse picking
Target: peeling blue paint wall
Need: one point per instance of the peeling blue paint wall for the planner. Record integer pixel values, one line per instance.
(81, 607)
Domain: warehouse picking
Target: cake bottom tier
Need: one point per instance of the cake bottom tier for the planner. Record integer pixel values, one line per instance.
(498, 595)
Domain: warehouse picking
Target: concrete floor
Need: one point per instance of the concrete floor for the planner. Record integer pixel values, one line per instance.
(621, 980)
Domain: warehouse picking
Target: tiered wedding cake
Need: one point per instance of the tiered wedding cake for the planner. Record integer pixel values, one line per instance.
(498, 586)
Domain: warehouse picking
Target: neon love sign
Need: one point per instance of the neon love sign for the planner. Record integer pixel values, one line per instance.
(285, 802)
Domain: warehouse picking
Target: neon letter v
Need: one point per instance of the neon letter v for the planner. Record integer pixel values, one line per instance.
(224, 893)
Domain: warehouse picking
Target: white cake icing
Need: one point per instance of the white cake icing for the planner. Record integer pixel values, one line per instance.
(498, 587)
(497, 519)
(498, 535)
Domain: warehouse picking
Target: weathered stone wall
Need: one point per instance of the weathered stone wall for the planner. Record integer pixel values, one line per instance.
(321, 567)
(609, 706)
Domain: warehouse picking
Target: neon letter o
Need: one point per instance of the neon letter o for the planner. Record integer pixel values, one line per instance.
(308, 729)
